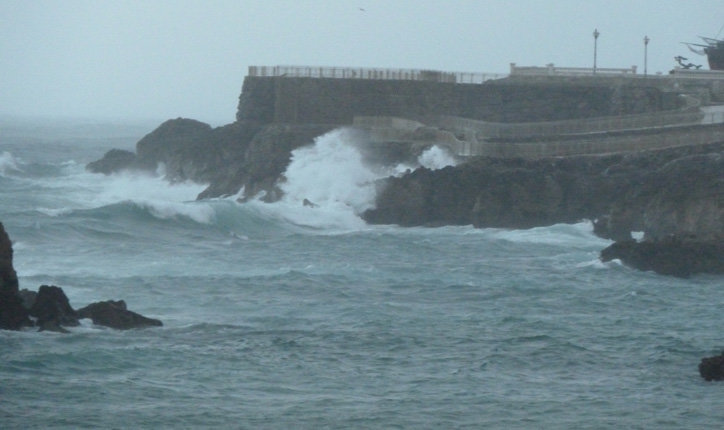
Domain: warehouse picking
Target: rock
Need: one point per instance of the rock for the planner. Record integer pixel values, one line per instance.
(712, 368)
(673, 191)
(605, 227)
(114, 161)
(687, 196)
(659, 192)
(183, 145)
(8, 277)
(675, 255)
(114, 314)
(13, 315)
(52, 309)
(489, 192)
(28, 298)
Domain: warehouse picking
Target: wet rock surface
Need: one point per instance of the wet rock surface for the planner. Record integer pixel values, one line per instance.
(52, 309)
(712, 368)
(660, 192)
(13, 315)
(676, 256)
(114, 314)
(49, 308)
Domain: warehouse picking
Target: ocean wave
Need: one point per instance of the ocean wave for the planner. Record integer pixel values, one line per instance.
(329, 184)
(8, 164)
(578, 235)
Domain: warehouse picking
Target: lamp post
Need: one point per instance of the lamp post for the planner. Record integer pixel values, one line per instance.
(646, 55)
(595, 48)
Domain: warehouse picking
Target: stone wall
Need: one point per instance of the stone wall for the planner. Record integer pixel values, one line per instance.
(338, 101)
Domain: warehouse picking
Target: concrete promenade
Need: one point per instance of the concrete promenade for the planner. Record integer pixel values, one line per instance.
(468, 142)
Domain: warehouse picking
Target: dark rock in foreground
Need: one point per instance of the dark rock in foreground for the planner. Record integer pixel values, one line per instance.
(8, 277)
(114, 314)
(52, 309)
(13, 314)
(712, 368)
(677, 256)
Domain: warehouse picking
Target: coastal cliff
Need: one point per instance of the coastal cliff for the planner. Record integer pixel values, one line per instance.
(670, 192)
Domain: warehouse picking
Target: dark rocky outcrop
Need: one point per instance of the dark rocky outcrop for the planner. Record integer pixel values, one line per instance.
(712, 368)
(673, 195)
(113, 161)
(28, 297)
(674, 255)
(243, 154)
(8, 276)
(670, 192)
(114, 314)
(13, 314)
(52, 309)
(623, 192)
(53, 312)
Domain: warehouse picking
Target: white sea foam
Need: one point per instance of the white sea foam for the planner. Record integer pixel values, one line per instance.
(595, 263)
(8, 164)
(435, 158)
(330, 173)
(143, 188)
(77, 189)
(201, 213)
(580, 234)
(53, 212)
(328, 184)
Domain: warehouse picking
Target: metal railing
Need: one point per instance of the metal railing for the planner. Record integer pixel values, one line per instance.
(552, 70)
(367, 73)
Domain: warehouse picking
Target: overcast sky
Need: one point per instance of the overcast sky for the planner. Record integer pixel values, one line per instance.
(165, 59)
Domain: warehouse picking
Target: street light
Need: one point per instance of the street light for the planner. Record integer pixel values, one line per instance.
(595, 48)
(646, 55)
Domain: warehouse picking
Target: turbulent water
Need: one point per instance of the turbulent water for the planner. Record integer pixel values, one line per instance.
(291, 316)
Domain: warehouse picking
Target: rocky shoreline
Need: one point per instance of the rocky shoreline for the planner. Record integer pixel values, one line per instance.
(673, 195)
(49, 308)
(666, 193)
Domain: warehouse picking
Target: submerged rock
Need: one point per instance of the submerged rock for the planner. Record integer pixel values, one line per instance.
(114, 314)
(712, 368)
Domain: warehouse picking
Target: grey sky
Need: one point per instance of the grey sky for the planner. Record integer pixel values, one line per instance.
(169, 58)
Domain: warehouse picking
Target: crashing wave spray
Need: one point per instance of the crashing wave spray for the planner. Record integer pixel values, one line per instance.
(328, 184)
(330, 173)
(435, 158)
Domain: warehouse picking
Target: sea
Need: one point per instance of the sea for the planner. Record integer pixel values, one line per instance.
(291, 316)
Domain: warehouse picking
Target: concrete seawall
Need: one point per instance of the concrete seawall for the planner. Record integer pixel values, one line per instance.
(296, 100)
